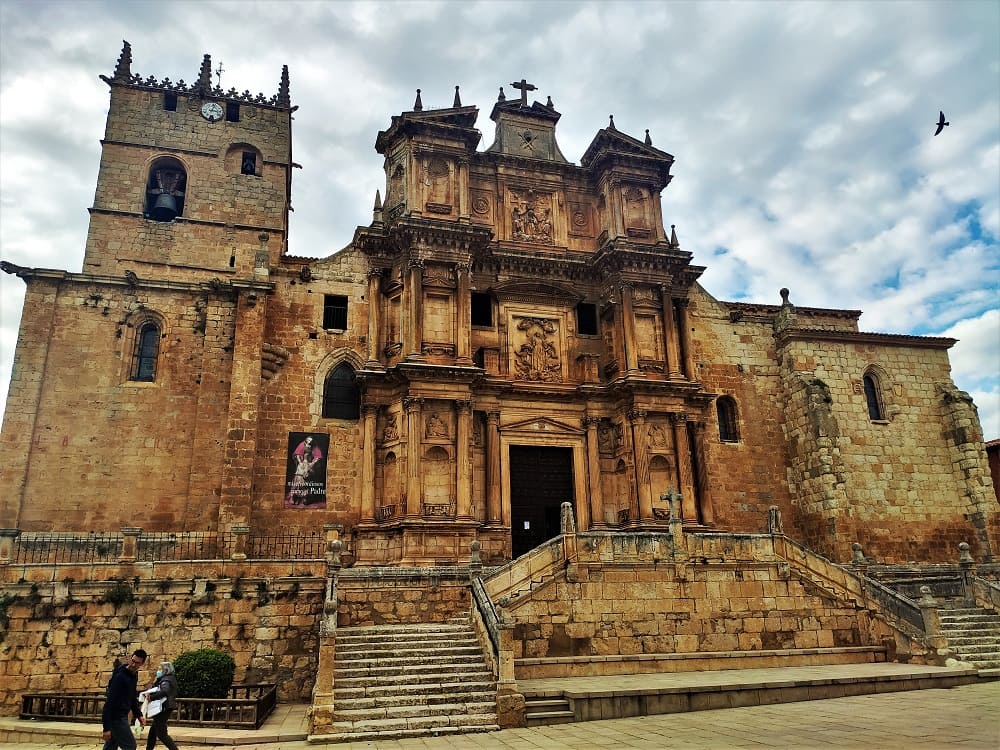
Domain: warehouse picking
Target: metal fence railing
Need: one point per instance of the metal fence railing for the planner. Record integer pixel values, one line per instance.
(55, 548)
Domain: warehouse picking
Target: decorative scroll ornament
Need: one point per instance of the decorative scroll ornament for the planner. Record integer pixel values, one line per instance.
(538, 356)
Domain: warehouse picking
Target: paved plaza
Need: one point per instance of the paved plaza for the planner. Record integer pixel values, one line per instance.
(965, 717)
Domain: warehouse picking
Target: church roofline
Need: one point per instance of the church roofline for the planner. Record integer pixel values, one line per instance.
(752, 308)
(865, 337)
(123, 76)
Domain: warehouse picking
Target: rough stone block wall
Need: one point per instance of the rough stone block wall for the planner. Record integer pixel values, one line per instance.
(880, 475)
(738, 360)
(374, 599)
(136, 453)
(292, 400)
(619, 610)
(216, 192)
(66, 637)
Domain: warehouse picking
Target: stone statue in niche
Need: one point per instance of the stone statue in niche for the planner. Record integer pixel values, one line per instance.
(538, 357)
(394, 194)
(609, 437)
(477, 432)
(657, 438)
(636, 214)
(437, 180)
(531, 217)
(435, 426)
(391, 431)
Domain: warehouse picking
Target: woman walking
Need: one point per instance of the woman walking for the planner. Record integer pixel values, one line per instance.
(165, 689)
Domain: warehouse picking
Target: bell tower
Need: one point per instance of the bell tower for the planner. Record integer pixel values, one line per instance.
(191, 177)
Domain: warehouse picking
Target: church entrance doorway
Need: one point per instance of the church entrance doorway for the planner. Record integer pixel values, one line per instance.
(541, 480)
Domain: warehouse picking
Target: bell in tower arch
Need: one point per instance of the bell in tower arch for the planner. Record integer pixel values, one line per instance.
(165, 190)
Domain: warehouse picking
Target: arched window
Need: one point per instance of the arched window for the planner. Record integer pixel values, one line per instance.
(873, 396)
(341, 397)
(147, 347)
(165, 189)
(728, 427)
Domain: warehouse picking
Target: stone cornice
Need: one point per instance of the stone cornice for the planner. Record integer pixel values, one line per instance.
(189, 220)
(217, 285)
(864, 337)
(749, 310)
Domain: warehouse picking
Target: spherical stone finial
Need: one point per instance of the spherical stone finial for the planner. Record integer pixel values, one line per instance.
(784, 297)
(611, 125)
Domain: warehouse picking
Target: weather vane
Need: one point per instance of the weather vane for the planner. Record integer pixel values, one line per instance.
(218, 74)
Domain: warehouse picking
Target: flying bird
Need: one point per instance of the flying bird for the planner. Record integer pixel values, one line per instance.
(941, 123)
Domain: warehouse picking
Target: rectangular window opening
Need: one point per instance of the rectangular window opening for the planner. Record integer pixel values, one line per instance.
(248, 165)
(170, 102)
(335, 312)
(232, 112)
(482, 309)
(586, 319)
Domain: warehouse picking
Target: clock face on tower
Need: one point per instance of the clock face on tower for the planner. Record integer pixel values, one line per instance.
(212, 111)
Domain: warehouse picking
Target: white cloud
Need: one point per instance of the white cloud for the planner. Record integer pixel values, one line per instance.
(802, 131)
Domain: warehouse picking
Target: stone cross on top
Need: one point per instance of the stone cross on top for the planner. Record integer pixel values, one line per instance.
(525, 88)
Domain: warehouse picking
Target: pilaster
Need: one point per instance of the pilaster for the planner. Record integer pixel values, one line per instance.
(595, 517)
(413, 407)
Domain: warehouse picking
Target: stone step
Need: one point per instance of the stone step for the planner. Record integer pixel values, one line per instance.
(972, 639)
(459, 722)
(415, 660)
(415, 679)
(398, 734)
(392, 631)
(984, 617)
(486, 699)
(547, 711)
(412, 671)
(381, 690)
(375, 652)
(420, 710)
(985, 648)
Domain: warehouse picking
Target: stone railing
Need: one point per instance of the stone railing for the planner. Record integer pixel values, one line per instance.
(987, 592)
(517, 575)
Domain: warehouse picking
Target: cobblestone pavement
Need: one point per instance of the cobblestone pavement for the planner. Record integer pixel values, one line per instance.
(965, 717)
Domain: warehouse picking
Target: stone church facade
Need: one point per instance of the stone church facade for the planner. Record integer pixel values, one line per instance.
(509, 332)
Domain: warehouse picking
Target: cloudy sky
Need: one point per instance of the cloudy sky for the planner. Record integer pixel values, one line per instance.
(802, 131)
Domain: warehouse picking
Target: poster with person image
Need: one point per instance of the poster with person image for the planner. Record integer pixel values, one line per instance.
(305, 472)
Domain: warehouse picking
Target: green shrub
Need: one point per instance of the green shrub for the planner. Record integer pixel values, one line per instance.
(205, 673)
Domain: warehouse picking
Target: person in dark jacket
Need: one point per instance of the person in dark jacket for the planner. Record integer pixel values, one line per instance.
(165, 687)
(122, 698)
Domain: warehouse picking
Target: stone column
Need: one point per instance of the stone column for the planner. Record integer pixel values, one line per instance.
(415, 344)
(670, 334)
(685, 339)
(685, 479)
(413, 408)
(704, 498)
(374, 316)
(130, 544)
(464, 311)
(637, 417)
(595, 518)
(368, 466)
(462, 166)
(628, 321)
(493, 516)
(7, 537)
(463, 480)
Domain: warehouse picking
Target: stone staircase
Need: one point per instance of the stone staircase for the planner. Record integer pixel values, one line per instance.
(974, 634)
(544, 710)
(396, 681)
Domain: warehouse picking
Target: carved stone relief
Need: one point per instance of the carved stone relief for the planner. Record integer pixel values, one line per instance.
(531, 216)
(579, 219)
(435, 275)
(396, 189)
(390, 432)
(538, 356)
(637, 214)
(657, 437)
(435, 427)
(609, 437)
(437, 181)
(482, 206)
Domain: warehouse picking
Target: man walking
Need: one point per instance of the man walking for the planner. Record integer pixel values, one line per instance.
(122, 698)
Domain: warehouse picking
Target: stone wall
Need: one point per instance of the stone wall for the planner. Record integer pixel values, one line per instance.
(389, 596)
(660, 609)
(66, 636)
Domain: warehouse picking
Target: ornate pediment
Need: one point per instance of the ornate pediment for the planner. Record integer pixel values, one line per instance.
(542, 425)
(536, 291)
